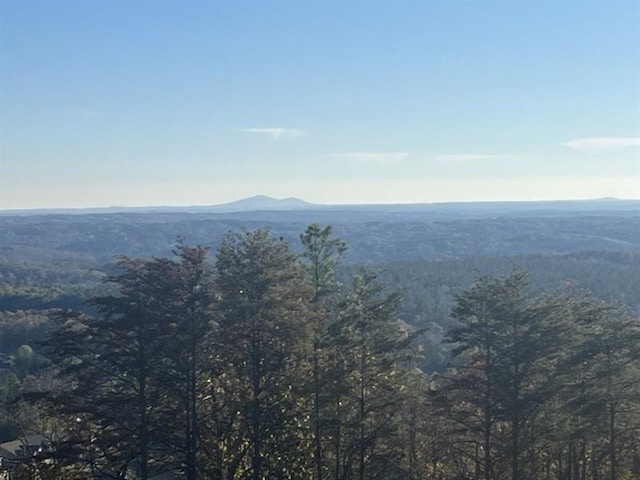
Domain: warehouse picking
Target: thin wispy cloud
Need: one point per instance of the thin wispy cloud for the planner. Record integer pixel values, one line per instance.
(276, 133)
(469, 157)
(602, 143)
(369, 157)
(75, 112)
(88, 113)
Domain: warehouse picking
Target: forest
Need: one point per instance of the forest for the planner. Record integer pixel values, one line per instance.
(269, 359)
(319, 240)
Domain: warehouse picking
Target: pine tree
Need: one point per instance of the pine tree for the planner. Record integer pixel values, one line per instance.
(111, 360)
(602, 390)
(323, 254)
(134, 366)
(188, 302)
(511, 344)
(263, 340)
(370, 355)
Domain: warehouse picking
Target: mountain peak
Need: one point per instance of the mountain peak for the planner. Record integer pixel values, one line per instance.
(263, 202)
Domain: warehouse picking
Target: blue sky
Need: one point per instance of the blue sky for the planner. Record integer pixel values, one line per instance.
(183, 103)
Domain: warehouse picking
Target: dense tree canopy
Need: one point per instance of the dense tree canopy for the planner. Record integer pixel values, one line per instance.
(261, 363)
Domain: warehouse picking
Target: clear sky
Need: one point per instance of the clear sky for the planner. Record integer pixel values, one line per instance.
(190, 102)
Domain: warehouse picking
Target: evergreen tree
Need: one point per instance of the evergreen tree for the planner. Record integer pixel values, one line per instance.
(111, 361)
(370, 355)
(188, 308)
(323, 254)
(140, 351)
(511, 344)
(263, 340)
(602, 389)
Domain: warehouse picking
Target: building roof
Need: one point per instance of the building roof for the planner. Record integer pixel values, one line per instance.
(15, 448)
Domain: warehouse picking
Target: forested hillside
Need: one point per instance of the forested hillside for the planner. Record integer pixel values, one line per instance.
(276, 355)
(375, 235)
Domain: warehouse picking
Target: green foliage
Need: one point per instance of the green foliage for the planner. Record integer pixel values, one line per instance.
(323, 254)
(369, 352)
(262, 363)
(22, 328)
(543, 379)
(601, 394)
(375, 234)
(9, 385)
(263, 338)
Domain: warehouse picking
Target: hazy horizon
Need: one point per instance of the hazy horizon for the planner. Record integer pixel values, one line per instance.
(185, 104)
(311, 204)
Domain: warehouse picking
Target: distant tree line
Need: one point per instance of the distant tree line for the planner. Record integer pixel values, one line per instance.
(261, 365)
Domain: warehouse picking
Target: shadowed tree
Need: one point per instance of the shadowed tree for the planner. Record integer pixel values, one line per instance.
(602, 386)
(110, 361)
(323, 254)
(263, 336)
(511, 343)
(140, 350)
(188, 308)
(370, 349)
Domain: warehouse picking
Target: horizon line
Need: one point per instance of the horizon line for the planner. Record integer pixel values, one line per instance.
(303, 207)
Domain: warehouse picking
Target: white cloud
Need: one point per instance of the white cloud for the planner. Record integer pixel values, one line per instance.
(369, 157)
(468, 157)
(276, 133)
(602, 143)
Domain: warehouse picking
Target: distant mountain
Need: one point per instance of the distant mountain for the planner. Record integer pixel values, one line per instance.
(260, 202)
(258, 205)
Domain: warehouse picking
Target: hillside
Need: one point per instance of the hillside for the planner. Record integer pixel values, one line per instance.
(380, 233)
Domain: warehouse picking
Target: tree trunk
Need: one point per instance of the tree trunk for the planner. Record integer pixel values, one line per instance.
(337, 443)
(144, 420)
(515, 445)
(487, 434)
(256, 458)
(583, 461)
(192, 421)
(361, 414)
(316, 414)
(613, 471)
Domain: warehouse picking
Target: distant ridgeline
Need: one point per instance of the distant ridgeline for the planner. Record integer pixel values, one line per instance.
(375, 233)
